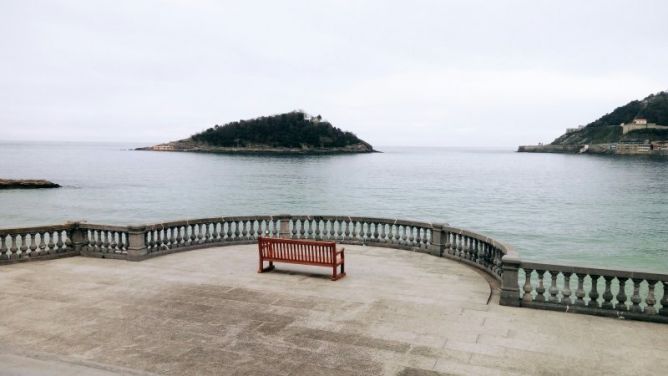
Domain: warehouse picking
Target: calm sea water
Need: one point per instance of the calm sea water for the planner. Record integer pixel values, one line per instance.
(597, 210)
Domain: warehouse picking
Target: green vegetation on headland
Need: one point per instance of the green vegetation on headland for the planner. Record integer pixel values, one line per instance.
(26, 184)
(290, 133)
(607, 128)
(639, 127)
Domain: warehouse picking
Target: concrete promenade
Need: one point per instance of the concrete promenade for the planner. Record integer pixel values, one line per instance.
(208, 312)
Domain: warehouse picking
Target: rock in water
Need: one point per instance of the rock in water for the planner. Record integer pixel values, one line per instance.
(26, 184)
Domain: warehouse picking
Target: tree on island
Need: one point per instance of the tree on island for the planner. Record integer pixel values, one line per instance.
(290, 130)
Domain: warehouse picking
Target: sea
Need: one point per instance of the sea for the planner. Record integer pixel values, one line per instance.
(595, 210)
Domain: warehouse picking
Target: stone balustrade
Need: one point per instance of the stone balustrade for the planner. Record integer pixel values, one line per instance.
(607, 292)
(604, 292)
(35, 243)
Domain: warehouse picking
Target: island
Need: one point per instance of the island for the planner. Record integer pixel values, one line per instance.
(26, 184)
(294, 132)
(638, 128)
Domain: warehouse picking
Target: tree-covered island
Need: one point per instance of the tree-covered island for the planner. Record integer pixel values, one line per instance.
(289, 133)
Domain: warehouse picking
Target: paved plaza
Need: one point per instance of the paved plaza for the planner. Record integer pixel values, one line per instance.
(208, 312)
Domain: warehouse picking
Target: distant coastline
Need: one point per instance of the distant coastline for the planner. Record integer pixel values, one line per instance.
(638, 128)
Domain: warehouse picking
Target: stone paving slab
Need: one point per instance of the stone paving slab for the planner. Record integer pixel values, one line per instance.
(208, 312)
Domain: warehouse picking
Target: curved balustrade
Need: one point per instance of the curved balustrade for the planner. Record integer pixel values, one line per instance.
(34, 243)
(596, 291)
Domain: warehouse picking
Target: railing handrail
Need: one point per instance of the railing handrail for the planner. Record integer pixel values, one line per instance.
(591, 270)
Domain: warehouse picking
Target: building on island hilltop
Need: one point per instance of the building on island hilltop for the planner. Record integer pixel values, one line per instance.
(640, 123)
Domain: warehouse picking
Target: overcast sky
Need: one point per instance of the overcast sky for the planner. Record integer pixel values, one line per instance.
(423, 73)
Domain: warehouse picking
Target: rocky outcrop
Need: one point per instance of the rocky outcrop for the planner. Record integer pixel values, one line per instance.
(191, 146)
(26, 184)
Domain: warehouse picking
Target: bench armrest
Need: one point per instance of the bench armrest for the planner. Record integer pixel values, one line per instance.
(340, 251)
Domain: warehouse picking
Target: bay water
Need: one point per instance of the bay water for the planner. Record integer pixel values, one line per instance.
(607, 211)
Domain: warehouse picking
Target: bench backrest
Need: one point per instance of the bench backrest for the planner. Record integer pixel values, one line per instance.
(297, 250)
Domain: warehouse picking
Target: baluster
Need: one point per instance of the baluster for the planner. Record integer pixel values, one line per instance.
(566, 291)
(275, 228)
(114, 243)
(527, 298)
(383, 234)
(220, 234)
(540, 290)
(103, 241)
(579, 293)
(593, 293)
(59, 241)
(651, 299)
(460, 247)
(302, 229)
(376, 233)
(554, 291)
(228, 230)
(607, 294)
(207, 233)
(150, 237)
(339, 229)
(51, 244)
(635, 298)
(3, 248)
(465, 247)
(664, 300)
(418, 237)
(24, 245)
(411, 237)
(189, 233)
(33, 245)
(309, 229)
(404, 237)
(448, 242)
(332, 231)
(347, 230)
(244, 230)
(42, 244)
(174, 240)
(13, 249)
(621, 295)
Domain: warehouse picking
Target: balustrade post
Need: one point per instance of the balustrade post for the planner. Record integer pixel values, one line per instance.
(284, 226)
(510, 290)
(77, 237)
(436, 247)
(664, 300)
(137, 250)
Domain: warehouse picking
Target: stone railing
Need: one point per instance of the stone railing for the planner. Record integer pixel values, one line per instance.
(618, 293)
(605, 292)
(140, 242)
(36, 243)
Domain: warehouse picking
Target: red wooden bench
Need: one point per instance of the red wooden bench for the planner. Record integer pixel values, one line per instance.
(297, 251)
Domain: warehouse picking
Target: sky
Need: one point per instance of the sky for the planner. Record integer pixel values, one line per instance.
(396, 73)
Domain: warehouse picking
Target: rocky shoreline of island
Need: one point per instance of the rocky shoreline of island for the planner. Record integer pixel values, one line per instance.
(190, 146)
(27, 184)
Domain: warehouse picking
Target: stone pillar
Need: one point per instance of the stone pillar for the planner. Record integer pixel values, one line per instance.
(284, 229)
(510, 291)
(77, 237)
(137, 250)
(436, 247)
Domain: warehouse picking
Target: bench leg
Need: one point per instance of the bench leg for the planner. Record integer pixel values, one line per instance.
(269, 268)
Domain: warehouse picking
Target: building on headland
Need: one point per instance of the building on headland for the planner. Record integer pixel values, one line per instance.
(640, 123)
(571, 130)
